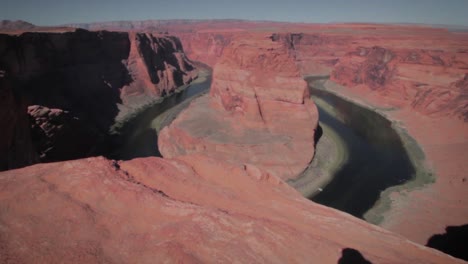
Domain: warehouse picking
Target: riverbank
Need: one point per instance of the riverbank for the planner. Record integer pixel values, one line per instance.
(436, 196)
(140, 105)
(359, 156)
(420, 174)
(331, 153)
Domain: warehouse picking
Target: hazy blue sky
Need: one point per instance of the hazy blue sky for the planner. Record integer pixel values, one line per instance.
(52, 12)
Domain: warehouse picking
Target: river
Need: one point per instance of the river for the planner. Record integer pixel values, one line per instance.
(376, 157)
(359, 149)
(139, 137)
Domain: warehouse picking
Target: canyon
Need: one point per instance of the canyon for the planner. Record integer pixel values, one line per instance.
(413, 75)
(220, 191)
(78, 85)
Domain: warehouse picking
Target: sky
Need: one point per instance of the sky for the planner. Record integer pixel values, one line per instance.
(56, 12)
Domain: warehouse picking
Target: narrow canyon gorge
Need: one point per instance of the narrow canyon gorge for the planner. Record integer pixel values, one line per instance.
(196, 142)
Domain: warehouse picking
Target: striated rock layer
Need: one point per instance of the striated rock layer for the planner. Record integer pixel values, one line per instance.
(258, 112)
(192, 209)
(81, 74)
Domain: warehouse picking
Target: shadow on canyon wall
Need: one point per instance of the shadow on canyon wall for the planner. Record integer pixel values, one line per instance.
(60, 93)
(318, 134)
(454, 242)
(72, 81)
(352, 256)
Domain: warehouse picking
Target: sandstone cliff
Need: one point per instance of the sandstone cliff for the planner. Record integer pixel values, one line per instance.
(258, 112)
(88, 76)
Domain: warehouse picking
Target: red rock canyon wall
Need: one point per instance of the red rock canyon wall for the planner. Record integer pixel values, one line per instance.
(86, 75)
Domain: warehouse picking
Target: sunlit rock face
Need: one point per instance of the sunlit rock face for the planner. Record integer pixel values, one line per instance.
(258, 112)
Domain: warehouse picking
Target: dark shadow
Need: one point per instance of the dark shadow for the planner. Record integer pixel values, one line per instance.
(78, 72)
(142, 144)
(454, 242)
(318, 134)
(352, 256)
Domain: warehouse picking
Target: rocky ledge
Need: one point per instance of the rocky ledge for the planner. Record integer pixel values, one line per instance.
(193, 209)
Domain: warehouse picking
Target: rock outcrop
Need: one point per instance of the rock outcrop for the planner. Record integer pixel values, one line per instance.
(58, 135)
(258, 112)
(192, 209)
(81, 74)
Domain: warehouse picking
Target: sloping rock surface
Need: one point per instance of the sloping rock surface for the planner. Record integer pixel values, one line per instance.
(192, 209)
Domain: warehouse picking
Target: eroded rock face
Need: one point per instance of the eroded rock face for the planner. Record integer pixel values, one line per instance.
(93, 77)
(258, 112)
(192, 209)
(157, 65)
(206, 47)
(430, 82)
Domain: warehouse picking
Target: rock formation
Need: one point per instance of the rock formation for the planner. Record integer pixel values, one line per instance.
(81, 74)
(258, 112)
(192, 209)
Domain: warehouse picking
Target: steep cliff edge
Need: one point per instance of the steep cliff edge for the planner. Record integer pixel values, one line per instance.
(91, 76)
(258, 112)
(192, 209)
